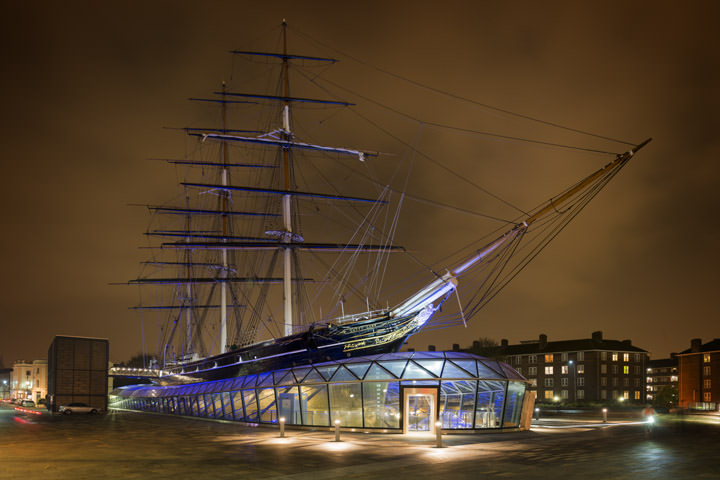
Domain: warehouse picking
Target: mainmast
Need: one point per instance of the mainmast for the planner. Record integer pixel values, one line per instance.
(287, 219)
(224, 209)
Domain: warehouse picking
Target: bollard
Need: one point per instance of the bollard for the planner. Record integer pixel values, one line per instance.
(282, 427)
(604, 415)
(337, 430)
(537, 413)
(438, 434)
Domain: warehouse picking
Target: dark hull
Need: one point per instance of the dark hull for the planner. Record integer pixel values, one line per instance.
(333, 342)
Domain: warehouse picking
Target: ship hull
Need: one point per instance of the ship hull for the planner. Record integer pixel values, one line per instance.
(382, 334)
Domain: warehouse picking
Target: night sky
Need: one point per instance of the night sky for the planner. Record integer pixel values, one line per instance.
(87, 88)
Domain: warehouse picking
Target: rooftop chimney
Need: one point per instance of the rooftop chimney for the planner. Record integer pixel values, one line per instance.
(597, 337)
(456, 347)
(431, 348)
(504, 342)
(543, 341)
(695, 344)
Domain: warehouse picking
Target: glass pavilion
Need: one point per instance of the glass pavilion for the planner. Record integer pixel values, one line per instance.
(395, 392)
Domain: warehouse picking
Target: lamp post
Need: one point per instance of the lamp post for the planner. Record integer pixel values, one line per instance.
(572, 379)
(438, 434)
(337, 430)
(282, 427)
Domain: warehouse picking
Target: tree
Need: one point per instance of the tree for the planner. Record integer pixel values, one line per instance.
(666, 396)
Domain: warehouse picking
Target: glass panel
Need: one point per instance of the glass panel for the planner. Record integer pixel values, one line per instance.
(396, 367)
(237, 406)
(327, 372)
(200, 409)
(417, 355)
(346, 404)
(415, 371)
(452, 371)
(435, 366)
(381, 404)
(314, 405)
(418, 412)
(280, 376)
(488, 409)
(217, 403)
(268, 408)
(359, 369)
(237, 383)
(313, 377)
(343, 374)
(250, 402)
(513, 404)
(469, 366)
(289, 405)
(226, 406)
(250, 381)
(300, 373)
(376, 372)
(485, 372)
(265, 380)
(457, 404)
(288, 379)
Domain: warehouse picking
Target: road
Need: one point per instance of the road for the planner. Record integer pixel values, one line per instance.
(127, 445)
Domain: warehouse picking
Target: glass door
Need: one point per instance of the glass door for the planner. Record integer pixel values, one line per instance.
(419, 409)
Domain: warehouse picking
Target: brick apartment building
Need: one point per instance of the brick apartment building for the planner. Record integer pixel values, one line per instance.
(584, 370)
(661, 374)
(699, 375)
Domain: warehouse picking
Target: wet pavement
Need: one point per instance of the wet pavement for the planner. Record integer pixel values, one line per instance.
(127, 445)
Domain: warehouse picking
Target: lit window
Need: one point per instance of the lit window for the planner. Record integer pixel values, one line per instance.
(614, 357)
(637, 394)
(626, 357)
(673, 379)
(706, 357)
(548, 394)
(549, 358)
(581, 368)
(706, 396)
(649, 379)
(706, 370)
(581, 356)
(707, 384)
(580, 394)
(626, 395)
(626, 369)
(564, 369)
(533, 382)
(548, 370)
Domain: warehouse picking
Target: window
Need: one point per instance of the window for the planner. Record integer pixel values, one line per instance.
(581, 356)
(706, 370)
(532, 359)
(519, 370)
(603, 369)
(518, 359)
(564, 382)
(549, 358)
(603, 356)
(637, 394)
(563, 357)
(581, 381)
(637, 382)
(706, 358)
(626, 357)
(533, 382)
(614, 382)
(626, 369)
(636, 370)
(564, 369)
(564, 394)
(706, 396)
(626, 382)
(581, 368)
(548, 394)
(626, 395)
(603, 394)
(603, 381)
(706, 384)
(614, 357)
(532, 371)
(548, 370)
(581, 394)
(614, 369)
(548, 382)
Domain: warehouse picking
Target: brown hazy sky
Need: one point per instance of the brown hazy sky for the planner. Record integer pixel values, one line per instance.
(88, 86)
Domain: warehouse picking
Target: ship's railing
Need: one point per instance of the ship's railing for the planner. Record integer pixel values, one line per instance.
(356, 317)
(135, 372)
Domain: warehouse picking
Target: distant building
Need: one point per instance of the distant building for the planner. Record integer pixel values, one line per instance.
(28, 380)
(661, 373)
(699, 372)
(583, 370)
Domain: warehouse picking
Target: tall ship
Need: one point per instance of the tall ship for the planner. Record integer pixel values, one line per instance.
(275, 255)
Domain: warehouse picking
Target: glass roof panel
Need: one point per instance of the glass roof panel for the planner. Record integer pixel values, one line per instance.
(327, 371)
(343, 374)
(435, 366)
(452, 371)
(300, 373)
(416, 371)
(313, 377)
(250, 381)
(359, 369)
(376, 372)
(427, 355)
(419, 383)
(489, 369)
(469, 366)
(237, 383)
(284, 377)
(265, 380)
(396, 367)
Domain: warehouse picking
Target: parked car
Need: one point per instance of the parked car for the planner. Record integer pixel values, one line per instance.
(28, 404)
(77, 407)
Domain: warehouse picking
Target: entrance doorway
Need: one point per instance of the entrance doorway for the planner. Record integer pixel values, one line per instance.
(420, 410)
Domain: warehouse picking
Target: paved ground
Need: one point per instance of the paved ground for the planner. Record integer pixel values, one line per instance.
(127, 445)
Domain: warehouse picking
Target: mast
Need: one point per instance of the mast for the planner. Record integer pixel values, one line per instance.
(287, 219)
(224, 208)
